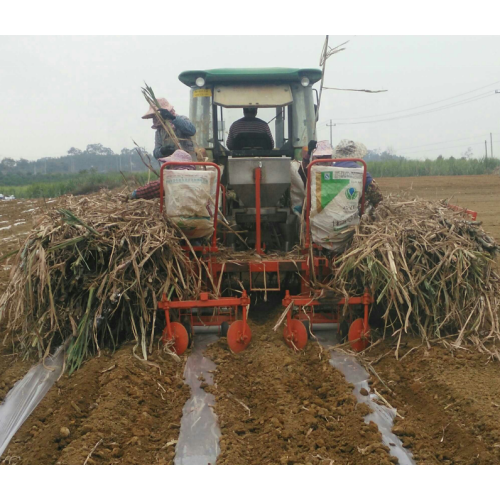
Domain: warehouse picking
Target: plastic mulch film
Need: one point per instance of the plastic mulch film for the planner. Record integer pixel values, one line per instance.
(199, 435)
(26, 394)
(381, 415)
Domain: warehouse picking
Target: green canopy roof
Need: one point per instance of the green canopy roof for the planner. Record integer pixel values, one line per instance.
(250, 75)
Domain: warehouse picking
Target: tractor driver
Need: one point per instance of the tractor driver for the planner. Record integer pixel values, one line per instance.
(250, 132)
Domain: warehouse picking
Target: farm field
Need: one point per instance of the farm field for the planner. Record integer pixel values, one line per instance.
(479, 193)
(273, 405)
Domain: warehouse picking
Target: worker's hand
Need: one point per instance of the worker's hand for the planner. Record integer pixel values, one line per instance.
(231, 195)
(167, 151)
(166, 114)
(311, 146)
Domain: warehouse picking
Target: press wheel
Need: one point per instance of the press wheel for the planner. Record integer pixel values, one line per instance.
(357, 338)
(179, 335)
(238, 337)
(295, 334)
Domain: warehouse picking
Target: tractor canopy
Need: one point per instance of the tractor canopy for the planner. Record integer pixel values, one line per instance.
(250, 75)
(288, 91)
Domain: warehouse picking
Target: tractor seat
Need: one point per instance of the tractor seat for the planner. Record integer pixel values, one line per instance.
(252, 140)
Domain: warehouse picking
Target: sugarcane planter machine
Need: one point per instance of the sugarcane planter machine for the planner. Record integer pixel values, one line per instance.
(259, 179)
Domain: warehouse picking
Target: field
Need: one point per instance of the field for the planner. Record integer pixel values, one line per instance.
(48, 186)
(273, 405)
(479, 193)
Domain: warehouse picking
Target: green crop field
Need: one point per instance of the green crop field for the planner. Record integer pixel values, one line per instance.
(51, 187)
(441, 166)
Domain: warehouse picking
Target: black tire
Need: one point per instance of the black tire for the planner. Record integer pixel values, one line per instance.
(344, 331)
(308, 330)
(189, 329)
(224, 327)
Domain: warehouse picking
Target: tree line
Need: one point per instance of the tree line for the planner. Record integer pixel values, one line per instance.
(94, 158)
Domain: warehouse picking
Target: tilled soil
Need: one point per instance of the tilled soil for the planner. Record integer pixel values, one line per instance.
(16, 220)
(12, 368)
(279, 407)
(450, 403)
(126, 409)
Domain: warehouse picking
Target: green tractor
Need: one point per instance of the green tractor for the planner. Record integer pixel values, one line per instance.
(290, 93)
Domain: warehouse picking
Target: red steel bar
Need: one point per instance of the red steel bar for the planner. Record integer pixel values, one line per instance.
(460, 209)
(308, 193)
(180, 163)
(258, 176)
(204, 301)
(301, 300)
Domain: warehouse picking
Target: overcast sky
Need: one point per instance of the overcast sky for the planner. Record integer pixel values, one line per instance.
(60, 92)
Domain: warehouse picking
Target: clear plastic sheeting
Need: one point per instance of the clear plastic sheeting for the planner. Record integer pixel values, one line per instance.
(355, 374)
(26, 395)
(199, 435)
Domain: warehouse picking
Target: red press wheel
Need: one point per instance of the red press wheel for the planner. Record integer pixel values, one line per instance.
(237, 337)
(295, 334)
(357, 338)
(180, 336)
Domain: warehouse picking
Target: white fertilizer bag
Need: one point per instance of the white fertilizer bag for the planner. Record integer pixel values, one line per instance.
(297, 189)
(335, 195)
(189, 200)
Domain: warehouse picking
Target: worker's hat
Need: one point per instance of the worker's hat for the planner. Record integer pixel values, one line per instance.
(323, 148)
(164, 104)
(349, 149)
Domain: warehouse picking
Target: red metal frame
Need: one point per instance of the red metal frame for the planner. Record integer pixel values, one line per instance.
(205, 302)
(460, 209)
(308, 193)
(305, 266)
(299, 300)
(180, 163)
(258, 177)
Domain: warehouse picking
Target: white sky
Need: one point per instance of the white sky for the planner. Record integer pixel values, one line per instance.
(59, 92)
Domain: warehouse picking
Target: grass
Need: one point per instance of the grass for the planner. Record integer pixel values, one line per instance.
(74, 184)
(441, 166)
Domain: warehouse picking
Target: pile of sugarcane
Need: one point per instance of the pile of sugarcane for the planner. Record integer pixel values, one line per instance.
(91, 273)
(431, 269)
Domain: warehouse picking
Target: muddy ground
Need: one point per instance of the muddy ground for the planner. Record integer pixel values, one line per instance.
(127, 409)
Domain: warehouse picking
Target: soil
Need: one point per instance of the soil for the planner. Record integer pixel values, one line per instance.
(279, 407)
(450, 403)
(127, 409)
(12, 368)
(12, 212)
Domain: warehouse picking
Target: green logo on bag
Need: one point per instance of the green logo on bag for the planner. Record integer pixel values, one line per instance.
(351, 193)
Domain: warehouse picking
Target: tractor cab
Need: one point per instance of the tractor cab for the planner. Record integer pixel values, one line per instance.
(258, 175)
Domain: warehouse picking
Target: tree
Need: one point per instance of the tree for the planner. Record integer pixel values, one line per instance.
(126, 151)
(8, 163)
(74, 151)
(98, 149)
(23, 164)
(468, 154)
